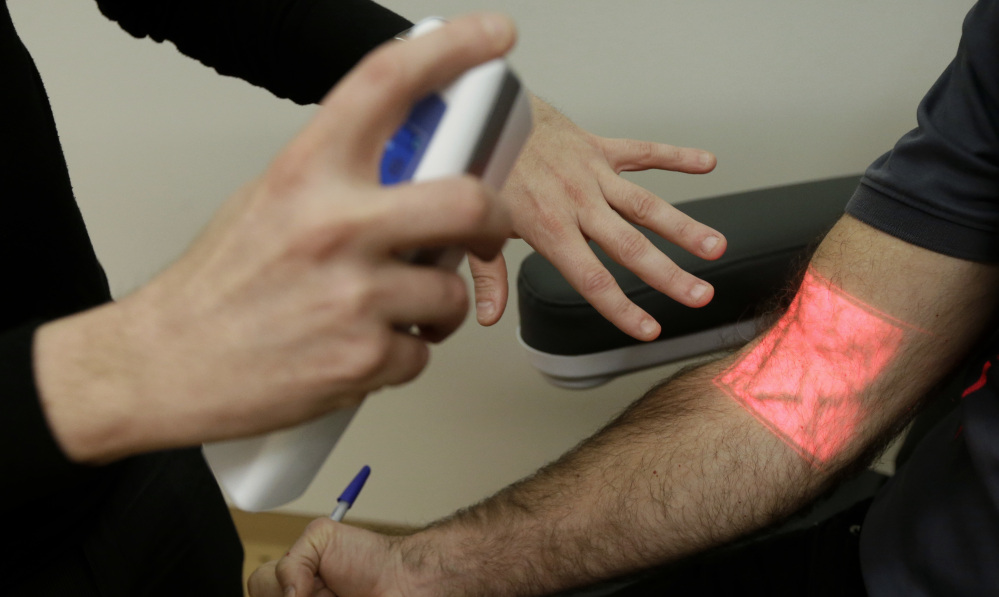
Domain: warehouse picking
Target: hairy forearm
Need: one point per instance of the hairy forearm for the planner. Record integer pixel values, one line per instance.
(683, 469)
(735, 445)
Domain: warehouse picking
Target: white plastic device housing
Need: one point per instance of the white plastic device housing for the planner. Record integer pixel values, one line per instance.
(486, 122)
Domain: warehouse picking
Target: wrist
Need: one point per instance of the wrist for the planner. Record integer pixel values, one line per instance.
(87, 368)
(438, 562)
(420, 562)
(488, 549)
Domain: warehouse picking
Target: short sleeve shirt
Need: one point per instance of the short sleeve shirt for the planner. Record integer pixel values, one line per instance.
(934, 528)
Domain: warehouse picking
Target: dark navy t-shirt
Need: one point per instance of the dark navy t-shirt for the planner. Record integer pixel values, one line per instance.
(934, 529)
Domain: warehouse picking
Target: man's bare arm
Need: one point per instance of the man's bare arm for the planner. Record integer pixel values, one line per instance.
(714, 454)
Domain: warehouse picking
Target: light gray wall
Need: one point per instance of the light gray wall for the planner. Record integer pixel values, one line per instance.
(782, 91)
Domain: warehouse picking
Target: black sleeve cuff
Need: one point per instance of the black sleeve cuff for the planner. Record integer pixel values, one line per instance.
(897, 217)
(30, 458)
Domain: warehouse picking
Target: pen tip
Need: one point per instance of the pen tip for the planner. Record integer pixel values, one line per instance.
(350, 493)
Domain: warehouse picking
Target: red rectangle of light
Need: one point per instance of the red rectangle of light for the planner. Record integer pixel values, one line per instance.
(804, 380)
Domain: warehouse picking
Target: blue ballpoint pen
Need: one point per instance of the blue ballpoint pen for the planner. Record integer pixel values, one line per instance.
(346, 499)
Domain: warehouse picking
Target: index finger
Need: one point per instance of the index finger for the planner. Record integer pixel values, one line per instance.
(629, 155)
(446, 212)
(370, 103)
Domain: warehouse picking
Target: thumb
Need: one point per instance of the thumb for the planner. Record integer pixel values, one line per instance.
(333, 558)
(491, 288)
(297, 570)
(263, 582)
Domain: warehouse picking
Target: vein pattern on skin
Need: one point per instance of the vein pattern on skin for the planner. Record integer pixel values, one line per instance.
(804, 379)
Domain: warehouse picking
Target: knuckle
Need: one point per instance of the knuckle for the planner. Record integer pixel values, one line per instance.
(467, 188)
(661, 153)
(353, 299)
(476, 212)
(318, 238)
(683, 228)
(552, 223)
(471, 204)
(381, 71)
(597, 281)
(371, 355)
(643, 206)
(339, 230)
(673, 154)
(671, 276)
(288, 173)
(632, 246)
(412, 364)
(647, 152)
(318, 526)
(455, 294)
(574, 191)
(450, 296)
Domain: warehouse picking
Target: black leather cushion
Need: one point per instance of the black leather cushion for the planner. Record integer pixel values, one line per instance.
(767, 231)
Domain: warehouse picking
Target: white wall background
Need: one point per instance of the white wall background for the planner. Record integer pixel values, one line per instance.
(781, 90)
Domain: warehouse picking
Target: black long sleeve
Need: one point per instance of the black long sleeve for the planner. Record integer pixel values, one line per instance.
(297, 49)
(48, 267)
(61, 511)
(294, 48)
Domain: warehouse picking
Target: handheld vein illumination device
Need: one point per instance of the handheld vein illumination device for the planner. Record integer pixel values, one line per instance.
(477, 125)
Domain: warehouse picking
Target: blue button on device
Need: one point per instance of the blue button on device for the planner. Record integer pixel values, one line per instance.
(404, 150)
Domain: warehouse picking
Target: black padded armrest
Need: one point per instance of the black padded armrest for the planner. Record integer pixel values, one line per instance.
(768, 231)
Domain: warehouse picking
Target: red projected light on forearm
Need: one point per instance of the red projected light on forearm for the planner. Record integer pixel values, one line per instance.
(806, 377)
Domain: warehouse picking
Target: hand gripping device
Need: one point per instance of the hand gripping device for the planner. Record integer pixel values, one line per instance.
(476, 126)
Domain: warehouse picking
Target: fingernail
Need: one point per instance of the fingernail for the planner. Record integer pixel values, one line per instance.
(485, 309)
(698, 291)
(709, 244)
(494, 26)
(648, 327)
(706, 158)
(289, 592)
